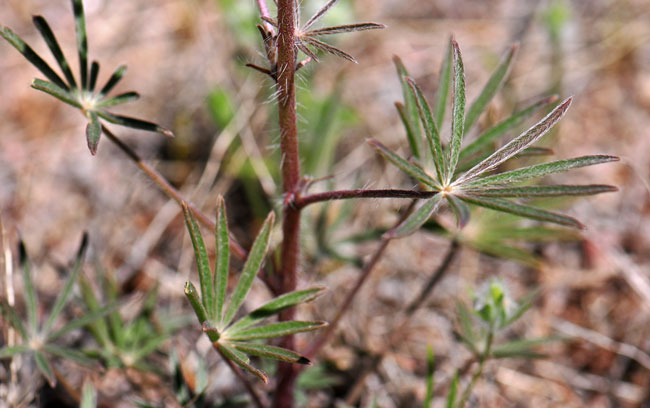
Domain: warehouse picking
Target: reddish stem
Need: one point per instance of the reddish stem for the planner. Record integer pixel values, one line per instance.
(290, 250)
(347, 194)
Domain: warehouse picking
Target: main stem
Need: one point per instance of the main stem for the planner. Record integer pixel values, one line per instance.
(290, 250)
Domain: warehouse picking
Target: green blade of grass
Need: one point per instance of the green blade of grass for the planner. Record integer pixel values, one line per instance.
(46, 32)
(134, 123)
(83, 321)
(240, 359)
(518, 144)
(44, 367)
(458, 112)
(93, 132)
(490, 89)
(113, 80)
(461, 210)
(430, 130)
(69, 354)
(276, 353)
(8, 352)
(417, 218)
(32, 56)
(62, 297)
(275, 306)
(274, 330)
(522, 306)
(89, 395)
(542, 191)
(94, 73)
(431, 367)
(119, 99)
(82, 40)
(540, 170)
(251, 267)
(453, 391)
(409, 110)
(222, 258)
(31, 297)
(411, 169)
(202, 262)
(56, 91)
(467, 326)
(521, 348)
(10, 313)
(151, 345)
(193, 297)
(502, 127)
(444, 79)
(523, 211)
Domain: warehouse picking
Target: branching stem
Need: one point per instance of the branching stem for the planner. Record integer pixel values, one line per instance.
(348, 194)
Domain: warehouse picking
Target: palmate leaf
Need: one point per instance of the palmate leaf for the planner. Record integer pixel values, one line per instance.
(79, 94)
(7, 352)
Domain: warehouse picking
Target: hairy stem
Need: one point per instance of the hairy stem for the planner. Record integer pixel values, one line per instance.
(290, 249)
(168, 189)
(360, 193)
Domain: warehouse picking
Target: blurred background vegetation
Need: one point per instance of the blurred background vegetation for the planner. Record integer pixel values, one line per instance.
(186, 58)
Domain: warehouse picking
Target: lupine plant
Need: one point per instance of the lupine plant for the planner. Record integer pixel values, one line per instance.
(447, 170)
(40, 334)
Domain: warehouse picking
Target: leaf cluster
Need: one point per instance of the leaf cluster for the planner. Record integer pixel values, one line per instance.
(464, 175)
(39, 336)
(234, 339)
(124, 343)
(80, 93)
(306, 38)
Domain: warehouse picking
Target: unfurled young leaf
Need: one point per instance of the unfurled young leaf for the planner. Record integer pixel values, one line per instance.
(80, 94)
(462, 175)
(234, 340)
(305, 37)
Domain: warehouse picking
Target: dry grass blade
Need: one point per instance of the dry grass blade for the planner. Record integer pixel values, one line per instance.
(347, 28)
